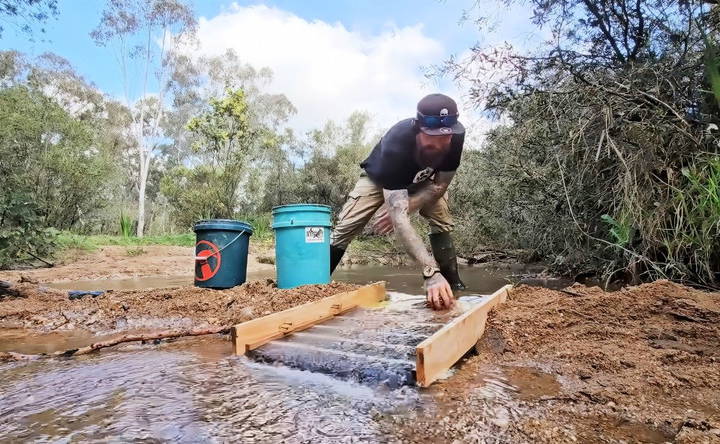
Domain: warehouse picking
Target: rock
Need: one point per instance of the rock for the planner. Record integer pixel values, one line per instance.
(28, 279)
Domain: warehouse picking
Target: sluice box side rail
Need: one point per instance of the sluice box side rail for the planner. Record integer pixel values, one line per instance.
(257, 332)
(436, 354)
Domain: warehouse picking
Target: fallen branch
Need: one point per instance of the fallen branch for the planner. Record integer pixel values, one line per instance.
(571, 293)
(12, 356)
(49, 264)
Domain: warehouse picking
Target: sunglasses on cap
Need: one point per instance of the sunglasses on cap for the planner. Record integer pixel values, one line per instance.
(436, 121)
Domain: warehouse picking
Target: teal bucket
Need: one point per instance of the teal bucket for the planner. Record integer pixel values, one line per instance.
(302, 244)
(221, 252)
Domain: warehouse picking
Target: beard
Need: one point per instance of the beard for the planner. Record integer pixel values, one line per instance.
(430, 156)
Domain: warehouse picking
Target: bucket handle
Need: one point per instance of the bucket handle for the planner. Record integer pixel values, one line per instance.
(205, 258)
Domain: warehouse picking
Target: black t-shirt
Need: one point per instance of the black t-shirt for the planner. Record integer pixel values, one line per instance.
(392, 164)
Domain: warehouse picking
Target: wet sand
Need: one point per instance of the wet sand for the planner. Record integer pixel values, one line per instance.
(637, 365)
(45, 310)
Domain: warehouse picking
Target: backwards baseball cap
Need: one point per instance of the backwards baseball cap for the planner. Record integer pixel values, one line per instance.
(437, 115)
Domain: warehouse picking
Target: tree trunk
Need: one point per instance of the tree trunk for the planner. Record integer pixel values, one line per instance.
(141, 203)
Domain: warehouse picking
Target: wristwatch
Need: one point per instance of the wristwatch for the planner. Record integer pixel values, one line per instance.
(429, 271)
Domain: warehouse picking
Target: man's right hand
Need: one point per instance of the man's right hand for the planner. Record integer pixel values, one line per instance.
(439, 293)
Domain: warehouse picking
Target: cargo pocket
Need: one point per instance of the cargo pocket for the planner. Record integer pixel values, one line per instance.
(350, 204)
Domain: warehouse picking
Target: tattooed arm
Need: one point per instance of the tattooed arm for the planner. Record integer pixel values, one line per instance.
(429, 193)
(439, 294)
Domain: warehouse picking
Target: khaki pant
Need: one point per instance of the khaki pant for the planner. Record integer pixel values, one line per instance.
(365, 199)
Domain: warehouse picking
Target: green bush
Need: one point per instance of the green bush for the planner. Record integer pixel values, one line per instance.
(51, 157)
(22, 233)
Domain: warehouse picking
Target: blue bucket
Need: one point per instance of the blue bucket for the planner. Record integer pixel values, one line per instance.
(302, 244)
(221, 252)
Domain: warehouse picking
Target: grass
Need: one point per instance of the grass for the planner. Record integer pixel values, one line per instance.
(126, 225)
(262, 236)
(262, 229)
(67, 240)
(138, 251)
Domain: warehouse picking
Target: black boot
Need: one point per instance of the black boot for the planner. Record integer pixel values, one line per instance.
(336, 255)
(444, 252)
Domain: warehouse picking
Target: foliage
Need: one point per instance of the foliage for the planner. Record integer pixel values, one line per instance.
(694, 245)
(24, 13)
(712, 67)
(22, 232)
(53, 78)
(332, 168)
(225, 137)
(126, 225)
(603, 128)
(50, 161)
(60, 142)
(69, 240)
(198, 80)
(262, 230)
(619, 231)
(50, 157)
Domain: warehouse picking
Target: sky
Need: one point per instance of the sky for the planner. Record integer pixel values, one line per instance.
(329, 57)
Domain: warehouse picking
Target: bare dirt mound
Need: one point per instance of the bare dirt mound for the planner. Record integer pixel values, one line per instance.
(44, 309)
(638, 365)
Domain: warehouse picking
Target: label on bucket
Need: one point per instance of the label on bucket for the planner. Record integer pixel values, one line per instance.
(207, 260)
(314, 235)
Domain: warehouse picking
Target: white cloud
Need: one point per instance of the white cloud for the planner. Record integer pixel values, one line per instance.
(326, 70)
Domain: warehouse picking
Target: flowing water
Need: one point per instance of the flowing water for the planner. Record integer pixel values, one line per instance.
(404, 279)
(195, 390)
(189, 391)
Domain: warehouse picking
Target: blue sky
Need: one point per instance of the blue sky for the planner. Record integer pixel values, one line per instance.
(329, 57)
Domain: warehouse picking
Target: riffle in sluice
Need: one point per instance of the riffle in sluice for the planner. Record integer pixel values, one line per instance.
(369, 346)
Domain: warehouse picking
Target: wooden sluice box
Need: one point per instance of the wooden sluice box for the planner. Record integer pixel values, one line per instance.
(430, 359)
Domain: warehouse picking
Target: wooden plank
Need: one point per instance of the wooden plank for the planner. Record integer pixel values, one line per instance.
(252, 334)
(286, 329)
(439, 352)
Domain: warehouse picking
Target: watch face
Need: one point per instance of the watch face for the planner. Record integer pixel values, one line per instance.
(428, 271)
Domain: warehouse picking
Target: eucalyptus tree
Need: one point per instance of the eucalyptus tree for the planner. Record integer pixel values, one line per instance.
(142, 34)
(25, 14)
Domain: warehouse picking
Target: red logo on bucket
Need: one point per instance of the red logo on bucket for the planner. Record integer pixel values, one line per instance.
(207, 260)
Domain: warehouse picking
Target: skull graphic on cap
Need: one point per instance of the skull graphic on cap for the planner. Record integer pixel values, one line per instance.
(443, 112)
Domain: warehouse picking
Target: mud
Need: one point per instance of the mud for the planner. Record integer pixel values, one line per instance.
(46, 310)
(637, 365)
(119, 262)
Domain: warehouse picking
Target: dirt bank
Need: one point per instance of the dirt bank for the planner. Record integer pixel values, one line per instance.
(117, 262)
(637, 365)
(46, 310)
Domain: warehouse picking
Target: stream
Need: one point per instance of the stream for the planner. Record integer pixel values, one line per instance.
(195, 390)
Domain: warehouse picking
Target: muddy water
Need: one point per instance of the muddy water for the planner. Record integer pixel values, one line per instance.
(141, 283)
(404, 279)
(28, 342)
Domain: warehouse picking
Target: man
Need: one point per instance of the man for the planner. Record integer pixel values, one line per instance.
(409, 170)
